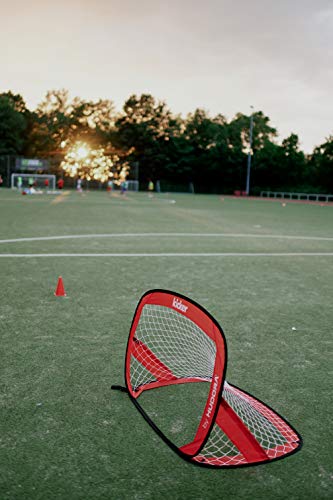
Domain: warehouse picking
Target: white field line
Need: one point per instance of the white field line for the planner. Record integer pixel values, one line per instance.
(185, 235)
(127, 255)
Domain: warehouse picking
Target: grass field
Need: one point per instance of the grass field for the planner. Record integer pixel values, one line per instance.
(63, 433)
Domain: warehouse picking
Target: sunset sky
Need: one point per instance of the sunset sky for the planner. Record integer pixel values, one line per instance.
(220, 55)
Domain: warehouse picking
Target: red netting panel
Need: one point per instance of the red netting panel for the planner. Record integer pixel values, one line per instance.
(273, 434)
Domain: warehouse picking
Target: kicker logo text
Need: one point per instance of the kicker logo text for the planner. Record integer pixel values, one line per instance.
(212, 397)
(177, 304)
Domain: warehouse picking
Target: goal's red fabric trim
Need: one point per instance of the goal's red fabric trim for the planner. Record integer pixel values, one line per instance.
(239, 434)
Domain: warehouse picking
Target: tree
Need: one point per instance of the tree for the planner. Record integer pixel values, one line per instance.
(239, 144)
(278, 167)
(147, 126)
(59, 119)
(13, 123)
(202, 149)
(267, 167)
(293, 167)
(92, 164)
(321, 166)
(239, 131)
(207, 149)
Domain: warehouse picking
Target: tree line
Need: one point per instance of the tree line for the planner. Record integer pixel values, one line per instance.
(208, 152)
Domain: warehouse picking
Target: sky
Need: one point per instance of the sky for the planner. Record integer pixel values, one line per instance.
(220, 55)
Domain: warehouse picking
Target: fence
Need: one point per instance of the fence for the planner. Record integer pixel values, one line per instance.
(297, 196)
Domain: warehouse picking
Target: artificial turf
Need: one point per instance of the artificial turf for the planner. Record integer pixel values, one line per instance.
(63, 433)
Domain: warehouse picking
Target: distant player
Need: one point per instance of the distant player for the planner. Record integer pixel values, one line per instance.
(60, 183)
(150, 188)
(46, 184)
(79, 186)
(123, 187)
(19, 183)
(109, 187)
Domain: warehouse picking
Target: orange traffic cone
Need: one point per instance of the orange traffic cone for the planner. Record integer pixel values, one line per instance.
(60, 290)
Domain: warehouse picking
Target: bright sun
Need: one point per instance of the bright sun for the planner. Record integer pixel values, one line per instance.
(82, 152)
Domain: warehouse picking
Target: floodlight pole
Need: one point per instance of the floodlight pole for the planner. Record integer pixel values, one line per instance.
(249, 156)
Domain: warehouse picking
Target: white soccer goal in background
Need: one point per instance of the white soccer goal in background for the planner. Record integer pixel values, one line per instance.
(38, 181)
(133, 185)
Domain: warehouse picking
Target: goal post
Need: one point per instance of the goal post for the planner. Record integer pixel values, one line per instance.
(37, 181)
(132, 185)
(176, 347)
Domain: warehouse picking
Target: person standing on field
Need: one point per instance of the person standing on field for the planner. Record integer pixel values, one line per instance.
(109, 187)
(150, 188)
(19, 183)
(79, 186)
(123, 187)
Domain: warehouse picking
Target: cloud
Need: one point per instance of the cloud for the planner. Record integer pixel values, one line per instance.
(222, 55)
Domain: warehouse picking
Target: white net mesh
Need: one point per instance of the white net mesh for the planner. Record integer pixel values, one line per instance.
(139, 372)
(219, 450)
(174, 347)
(265, 432)
(273, 434)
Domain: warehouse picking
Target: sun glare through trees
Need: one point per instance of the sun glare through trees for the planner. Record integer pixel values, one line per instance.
(90, 164)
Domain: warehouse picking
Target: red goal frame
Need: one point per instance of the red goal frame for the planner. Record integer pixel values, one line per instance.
(228, 410)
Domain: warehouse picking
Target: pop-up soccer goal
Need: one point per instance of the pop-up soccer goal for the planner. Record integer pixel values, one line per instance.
(175, 371)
